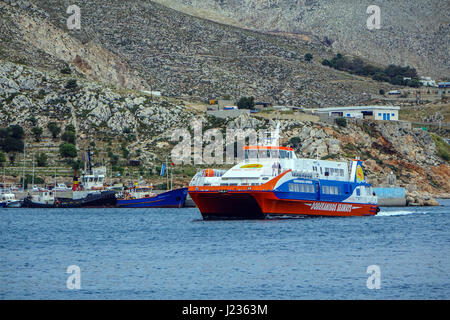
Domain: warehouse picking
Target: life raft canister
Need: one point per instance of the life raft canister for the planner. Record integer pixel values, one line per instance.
(209, 172)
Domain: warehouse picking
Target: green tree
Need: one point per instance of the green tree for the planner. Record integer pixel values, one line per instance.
(71, 84)
(11, 144)
(2, 158)
(66, 70)
(54, 129)
(33, 120)
(397, 80)
(125, 152)
(380, 76)
(246, 103)
(342, 122)
(37, 132)
(67, 150)
(76, 165)
(382, 92)
(41, 160)
(308, 57)
(69, 136)
(326, 62)
(295, 142)
(114, 159)
(16, 131)
(413, 83)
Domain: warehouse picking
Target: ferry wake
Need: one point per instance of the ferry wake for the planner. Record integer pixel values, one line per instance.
(271, 181)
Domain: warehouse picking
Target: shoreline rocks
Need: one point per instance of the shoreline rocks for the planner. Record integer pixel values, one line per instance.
(420, 199)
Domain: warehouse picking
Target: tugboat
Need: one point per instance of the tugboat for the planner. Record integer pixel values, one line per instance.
(91, 192)
(273, 182)
(44, 199)
(143, 197)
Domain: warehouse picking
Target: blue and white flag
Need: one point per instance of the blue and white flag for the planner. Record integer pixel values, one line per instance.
(163, 169)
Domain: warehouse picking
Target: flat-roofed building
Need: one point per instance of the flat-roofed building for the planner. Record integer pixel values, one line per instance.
(388, 113)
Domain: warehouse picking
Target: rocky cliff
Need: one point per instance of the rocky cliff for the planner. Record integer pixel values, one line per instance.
(141, 44)
(415, 33)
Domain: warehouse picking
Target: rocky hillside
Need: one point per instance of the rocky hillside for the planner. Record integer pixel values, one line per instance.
(142, 44)
(106, 118)
(415, 33)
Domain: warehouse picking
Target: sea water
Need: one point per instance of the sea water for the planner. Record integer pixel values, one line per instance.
(174, 254)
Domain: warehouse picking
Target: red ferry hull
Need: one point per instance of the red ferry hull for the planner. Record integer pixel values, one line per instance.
(261, 204)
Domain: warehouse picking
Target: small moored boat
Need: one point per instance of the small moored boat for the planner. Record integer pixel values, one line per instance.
(143, 197)
(8, 200)
(43, 199)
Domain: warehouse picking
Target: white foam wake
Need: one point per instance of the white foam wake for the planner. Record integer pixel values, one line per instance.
(394, 213)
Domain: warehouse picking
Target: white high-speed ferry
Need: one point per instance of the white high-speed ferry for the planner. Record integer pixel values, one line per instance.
(272, 181)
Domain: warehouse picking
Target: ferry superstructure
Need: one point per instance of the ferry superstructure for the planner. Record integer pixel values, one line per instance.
(272, 181)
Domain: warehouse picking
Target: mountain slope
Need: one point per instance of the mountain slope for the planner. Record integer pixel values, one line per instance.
(415, 33)
(143, 44)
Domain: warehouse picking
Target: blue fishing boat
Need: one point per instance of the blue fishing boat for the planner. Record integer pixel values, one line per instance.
(143, 197)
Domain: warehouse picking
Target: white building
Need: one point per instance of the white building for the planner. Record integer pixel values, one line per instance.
(361, 112)
(427, 82)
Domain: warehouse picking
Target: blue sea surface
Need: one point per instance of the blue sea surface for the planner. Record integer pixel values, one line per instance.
(174, 254)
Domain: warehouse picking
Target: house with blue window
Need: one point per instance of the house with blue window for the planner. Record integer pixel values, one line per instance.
(387, 113)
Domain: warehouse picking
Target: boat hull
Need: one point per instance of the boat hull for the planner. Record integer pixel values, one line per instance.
(170, 199)
(104, 199)
(14, 204)
(264, 204)
(28, 203)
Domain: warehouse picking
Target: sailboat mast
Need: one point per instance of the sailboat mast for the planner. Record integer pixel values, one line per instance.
(23, 172)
